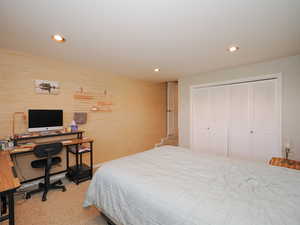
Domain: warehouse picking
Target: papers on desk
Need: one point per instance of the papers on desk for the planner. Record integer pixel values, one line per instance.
(81, 149)
(29, 144)
(67, 141)
(23, 149)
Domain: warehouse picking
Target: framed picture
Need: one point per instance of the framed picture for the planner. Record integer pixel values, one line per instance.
(47, 87)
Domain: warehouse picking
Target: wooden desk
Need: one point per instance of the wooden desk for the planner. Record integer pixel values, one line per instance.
(292, 164)
(23, 149)
(29, 148)
(8, 177)
(8, 184)
(38, 135)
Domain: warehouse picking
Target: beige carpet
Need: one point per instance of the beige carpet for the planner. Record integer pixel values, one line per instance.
(61, 208)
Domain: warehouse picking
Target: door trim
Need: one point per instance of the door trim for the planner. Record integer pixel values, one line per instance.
(175, 109)
(277, 76)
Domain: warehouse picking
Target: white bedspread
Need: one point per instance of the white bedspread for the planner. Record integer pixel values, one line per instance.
(174, 186)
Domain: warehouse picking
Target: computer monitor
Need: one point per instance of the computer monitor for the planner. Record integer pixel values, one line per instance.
(44, 120)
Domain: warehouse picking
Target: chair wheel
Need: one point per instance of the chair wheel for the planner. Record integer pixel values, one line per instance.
(64, 189)
(28, 196)
(44, 199)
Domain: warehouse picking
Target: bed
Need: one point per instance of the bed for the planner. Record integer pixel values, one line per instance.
(176, 186)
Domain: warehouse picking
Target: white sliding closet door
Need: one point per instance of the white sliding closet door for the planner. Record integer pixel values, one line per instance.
(219, 101)
(265, 120)
(241, 120)
(239, 126)
(201, 123)
(210, 126)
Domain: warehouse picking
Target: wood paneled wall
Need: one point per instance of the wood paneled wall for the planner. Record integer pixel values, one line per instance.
(136, 123)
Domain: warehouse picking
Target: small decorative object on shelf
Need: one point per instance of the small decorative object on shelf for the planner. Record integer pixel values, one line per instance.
(287, 151)
(74, 126)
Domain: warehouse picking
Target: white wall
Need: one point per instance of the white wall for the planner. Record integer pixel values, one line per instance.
(290, 69)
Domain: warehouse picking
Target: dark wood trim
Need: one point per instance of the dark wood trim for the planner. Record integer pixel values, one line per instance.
(109, 222)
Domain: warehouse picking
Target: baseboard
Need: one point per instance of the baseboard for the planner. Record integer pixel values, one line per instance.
(97, 165)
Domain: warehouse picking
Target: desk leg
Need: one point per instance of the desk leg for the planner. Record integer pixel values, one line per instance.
(67, 156)
(91, 158)
(3, 208)
(77, 165)
(80, 156)
(11, 206)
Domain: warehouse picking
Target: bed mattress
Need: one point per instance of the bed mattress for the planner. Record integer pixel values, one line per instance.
(175, 186)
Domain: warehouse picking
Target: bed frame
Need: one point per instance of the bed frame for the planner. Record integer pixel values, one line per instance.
(107, 219)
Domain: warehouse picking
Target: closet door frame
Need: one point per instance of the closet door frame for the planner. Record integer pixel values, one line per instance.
(277, 76)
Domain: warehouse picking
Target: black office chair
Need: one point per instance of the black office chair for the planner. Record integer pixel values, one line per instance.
(46, 151)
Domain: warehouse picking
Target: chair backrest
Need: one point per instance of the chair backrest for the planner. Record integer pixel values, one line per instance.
(47, 150)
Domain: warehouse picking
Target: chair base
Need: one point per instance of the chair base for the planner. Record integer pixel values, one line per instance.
(43, 188)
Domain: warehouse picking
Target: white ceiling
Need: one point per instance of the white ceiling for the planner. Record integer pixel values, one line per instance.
(132, 37)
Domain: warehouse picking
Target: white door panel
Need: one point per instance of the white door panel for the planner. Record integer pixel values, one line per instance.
(220, 106)
(264, 105)
(201, 107)
(239, 142)
(265, 117)
(201, 120)
(219, 141)
(219, 100)
(239, 107)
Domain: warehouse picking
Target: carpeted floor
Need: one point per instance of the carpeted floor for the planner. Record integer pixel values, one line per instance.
(61, 208)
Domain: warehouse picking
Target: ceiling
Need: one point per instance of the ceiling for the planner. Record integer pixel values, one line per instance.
(133, 37)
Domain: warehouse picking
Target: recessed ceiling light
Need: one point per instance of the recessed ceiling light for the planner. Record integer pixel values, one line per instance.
(58, 38)
(233, 48)
(156, 70)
